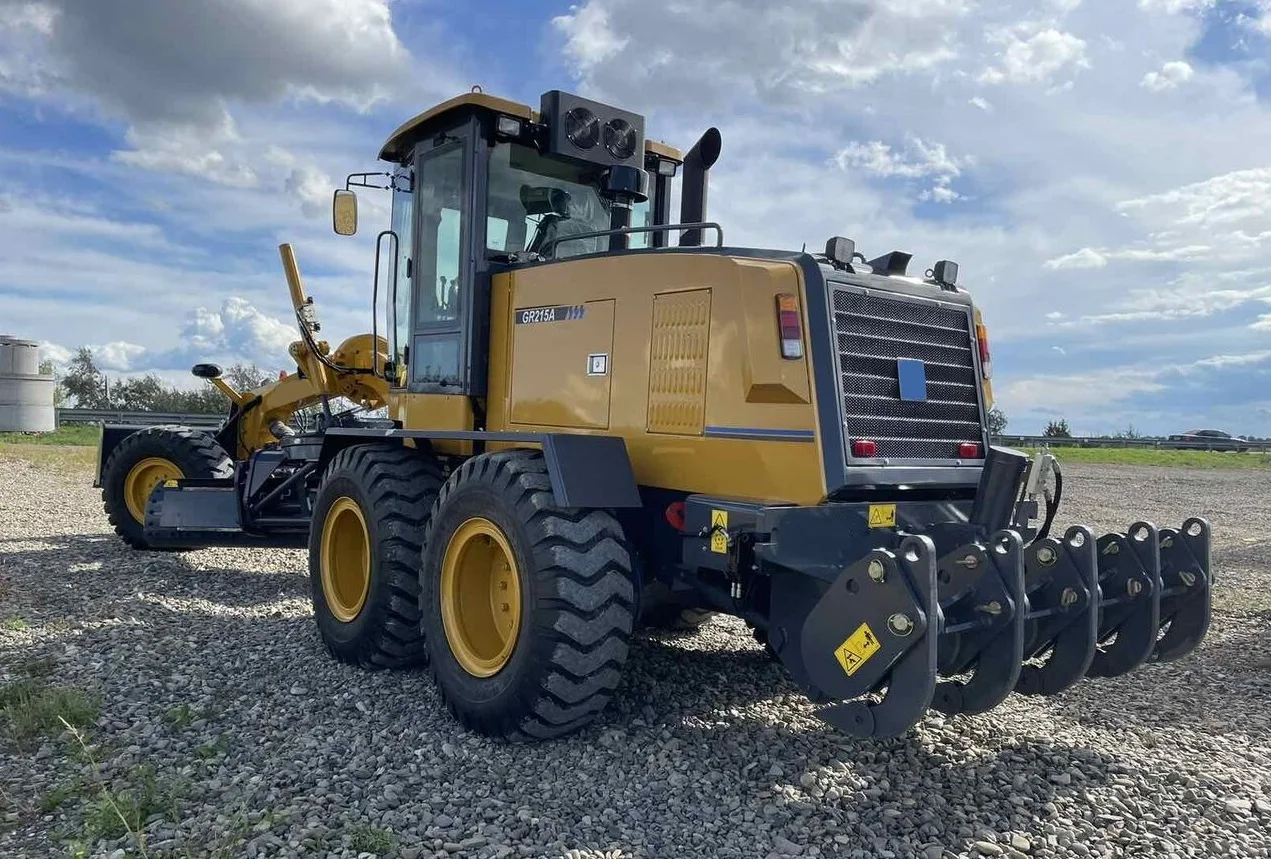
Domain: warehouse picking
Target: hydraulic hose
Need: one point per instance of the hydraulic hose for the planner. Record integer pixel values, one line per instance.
(1052, 504)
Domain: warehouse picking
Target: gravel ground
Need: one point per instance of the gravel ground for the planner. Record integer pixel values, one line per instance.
(224, 730)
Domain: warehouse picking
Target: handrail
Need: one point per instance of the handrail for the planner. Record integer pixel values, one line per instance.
(627, 231)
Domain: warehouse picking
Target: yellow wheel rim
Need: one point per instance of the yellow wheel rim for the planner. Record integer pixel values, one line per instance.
(345, 564)
(141, 481)
(480, 597)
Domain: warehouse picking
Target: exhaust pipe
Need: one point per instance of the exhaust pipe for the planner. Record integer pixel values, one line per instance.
(700, 158)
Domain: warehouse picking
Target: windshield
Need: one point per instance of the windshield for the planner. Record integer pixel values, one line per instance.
(535, 199)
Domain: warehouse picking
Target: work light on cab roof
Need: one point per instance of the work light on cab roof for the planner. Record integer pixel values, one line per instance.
(574, 425)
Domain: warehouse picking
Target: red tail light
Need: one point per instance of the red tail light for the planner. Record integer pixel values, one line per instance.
(790, 326)
(969, 450)
(675, 515)
(862, 449)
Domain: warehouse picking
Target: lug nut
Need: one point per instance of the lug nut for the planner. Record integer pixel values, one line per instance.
(1046, 555)
(1068, 598)
(970, 562)
(1134, 587)
(877, 571)
(900, 624)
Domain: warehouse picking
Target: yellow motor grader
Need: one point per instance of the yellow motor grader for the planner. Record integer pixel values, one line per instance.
(587, 424)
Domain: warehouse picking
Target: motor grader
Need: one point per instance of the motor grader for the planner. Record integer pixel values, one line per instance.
(583, 417)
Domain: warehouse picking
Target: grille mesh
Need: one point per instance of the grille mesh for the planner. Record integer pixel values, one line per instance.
(872, 332)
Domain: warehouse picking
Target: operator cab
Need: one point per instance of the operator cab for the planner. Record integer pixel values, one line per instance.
(481, 185)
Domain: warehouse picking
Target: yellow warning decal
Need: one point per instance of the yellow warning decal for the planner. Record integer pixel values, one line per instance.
(882, 515)
(719, 531)
(169, 484)
(857, 649)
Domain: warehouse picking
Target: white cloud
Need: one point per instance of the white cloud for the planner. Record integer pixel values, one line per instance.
(651, 53)
(1084, 258)
(920, 160)
(981, 103)
(1038, 58)
(156, 61)
(238, 331)
(1171, 76)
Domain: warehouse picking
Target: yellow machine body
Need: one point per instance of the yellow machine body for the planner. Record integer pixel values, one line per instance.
(688, 371)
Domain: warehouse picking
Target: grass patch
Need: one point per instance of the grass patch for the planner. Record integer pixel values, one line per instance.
(207, 751)
(367, 839)
(78, 435)
(15, 624)
(179, 717)
(33, 707)
(60, 458)
(1159, 458)
(116, 812)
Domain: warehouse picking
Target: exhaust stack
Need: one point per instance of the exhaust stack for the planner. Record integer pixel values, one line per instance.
(697, 162)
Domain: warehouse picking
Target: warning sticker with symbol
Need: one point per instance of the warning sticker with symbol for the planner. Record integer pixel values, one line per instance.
(857, 649)
(882, 515)
(719, 531)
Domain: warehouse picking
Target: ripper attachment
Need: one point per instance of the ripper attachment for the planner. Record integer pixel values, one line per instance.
(1011, 609)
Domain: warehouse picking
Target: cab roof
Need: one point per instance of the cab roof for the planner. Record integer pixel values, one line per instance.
(399, 143)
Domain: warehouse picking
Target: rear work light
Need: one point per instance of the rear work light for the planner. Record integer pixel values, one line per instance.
(969, 450)
(862, 449)
(790, 326)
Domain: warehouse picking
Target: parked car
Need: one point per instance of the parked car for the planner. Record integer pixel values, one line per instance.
(1209, 439)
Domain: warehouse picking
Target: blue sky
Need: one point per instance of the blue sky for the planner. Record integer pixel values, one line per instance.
(1099, 169)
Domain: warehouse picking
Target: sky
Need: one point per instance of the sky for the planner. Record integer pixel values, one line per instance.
(1101, 171)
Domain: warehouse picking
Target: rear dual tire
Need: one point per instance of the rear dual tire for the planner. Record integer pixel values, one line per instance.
(364, 549)
(527, 607)
(522, 610)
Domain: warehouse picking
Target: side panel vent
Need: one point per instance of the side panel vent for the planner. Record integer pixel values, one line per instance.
(677, 362)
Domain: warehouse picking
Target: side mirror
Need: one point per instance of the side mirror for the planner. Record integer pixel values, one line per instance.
(206, 371)
(344, 212)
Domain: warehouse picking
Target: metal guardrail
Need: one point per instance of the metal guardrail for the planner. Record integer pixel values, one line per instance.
(1143, 443)
(114, 416)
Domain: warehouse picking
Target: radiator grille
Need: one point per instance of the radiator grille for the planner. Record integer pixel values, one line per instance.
(872, 331)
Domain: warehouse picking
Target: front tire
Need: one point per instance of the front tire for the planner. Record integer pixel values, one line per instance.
(146, 459)
(364, 550)
(527, 607)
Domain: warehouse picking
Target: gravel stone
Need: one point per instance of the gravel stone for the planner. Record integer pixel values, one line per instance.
(211, 677)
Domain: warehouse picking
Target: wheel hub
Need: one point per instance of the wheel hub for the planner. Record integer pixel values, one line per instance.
(480, 597)
(143, 478)
(345, 564)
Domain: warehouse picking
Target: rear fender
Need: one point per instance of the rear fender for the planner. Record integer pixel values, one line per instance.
(112, 435)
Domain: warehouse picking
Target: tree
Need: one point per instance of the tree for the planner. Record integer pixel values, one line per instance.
(59, 392)
(997, 421)
(85, 382)
(246, 377)
(1057, 429)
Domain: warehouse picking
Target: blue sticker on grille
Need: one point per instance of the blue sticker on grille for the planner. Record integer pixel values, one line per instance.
(913, 380)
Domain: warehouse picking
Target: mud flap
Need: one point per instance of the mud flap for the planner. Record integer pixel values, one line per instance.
(1186, 595)
(982, 604)
(889, 605)
(1061, 578)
